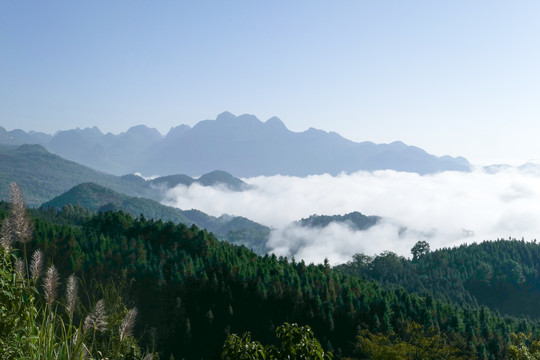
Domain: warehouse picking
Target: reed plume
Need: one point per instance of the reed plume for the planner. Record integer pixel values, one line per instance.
(71, 295)
(20, 268)
(6, 234)
(96, 319)
(50, 284)
(126, 328)
(36, 265)
(20, 221)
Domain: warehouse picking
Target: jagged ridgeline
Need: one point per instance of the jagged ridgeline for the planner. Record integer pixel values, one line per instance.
(192, 291)
(242, 145)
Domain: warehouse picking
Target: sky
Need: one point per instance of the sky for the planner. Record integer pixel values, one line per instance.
(453, 77)
(445, 209)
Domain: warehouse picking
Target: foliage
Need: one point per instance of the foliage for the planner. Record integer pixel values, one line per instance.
(296, 342)
(355, 220)
(96, 198)
(419, 249)
(193, 291)
(522, 348)
(42, 175)
(416, 344)
(503, 275)
(35, 325)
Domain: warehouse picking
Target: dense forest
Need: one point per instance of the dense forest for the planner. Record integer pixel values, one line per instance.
(193, 291)
(502, 275)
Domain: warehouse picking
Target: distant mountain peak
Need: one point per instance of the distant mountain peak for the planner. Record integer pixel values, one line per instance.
(224, 116)
(229, 118)
(144, 131)
(275, 122)
(177, 131)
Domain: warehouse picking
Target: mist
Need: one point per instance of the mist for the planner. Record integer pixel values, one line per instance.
(445, 209)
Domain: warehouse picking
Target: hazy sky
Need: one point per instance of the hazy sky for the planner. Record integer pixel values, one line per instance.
(453, 77)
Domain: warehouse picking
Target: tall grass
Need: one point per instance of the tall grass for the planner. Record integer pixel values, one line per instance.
(36, 323)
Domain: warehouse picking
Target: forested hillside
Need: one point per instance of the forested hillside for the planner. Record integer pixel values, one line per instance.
(355, 220)
(192, 291)
(503, 275)
(43, 176)
(96, 198)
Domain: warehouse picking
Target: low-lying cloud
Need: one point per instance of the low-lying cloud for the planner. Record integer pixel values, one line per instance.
(445, 209)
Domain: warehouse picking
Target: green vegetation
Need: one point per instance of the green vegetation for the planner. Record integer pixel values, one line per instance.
(503, 275)
(296, 342)
(415, 344)
(214, 178)
(222, 178)
(42, 176)
(41, 325)
(236, 230)
(355, 220)
(97, 198)
(523, 347)
(192, 292)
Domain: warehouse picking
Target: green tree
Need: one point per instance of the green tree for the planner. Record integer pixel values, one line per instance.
(419, 249)
(416, 344)
(297, 343)
(519, 350)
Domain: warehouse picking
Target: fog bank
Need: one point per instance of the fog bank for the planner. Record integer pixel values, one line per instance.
(444, 209)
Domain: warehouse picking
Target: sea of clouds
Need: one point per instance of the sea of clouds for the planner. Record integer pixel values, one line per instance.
(445, 209)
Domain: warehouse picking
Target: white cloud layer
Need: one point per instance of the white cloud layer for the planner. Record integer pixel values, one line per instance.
(445, 209)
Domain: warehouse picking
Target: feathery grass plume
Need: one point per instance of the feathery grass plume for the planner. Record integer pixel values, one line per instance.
(71, 295)
(149, 357)
(6, 234)
(96, 319)
(50, 284)
(126, 328)
(36, 265)
(20, 221)
(20, 268)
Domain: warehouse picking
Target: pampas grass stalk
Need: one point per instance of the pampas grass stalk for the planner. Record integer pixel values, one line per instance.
(96, 319)
(71, 295)
(36, 265)
(126, 328)
(50, 284)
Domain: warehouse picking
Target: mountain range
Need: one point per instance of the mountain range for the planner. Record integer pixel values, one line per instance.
(43, 175)
(242, 145)
(48, 180)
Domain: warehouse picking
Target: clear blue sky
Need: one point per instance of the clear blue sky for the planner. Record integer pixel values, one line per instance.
(453, 77)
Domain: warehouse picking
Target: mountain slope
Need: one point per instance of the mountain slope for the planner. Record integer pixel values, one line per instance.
(113, 154)
(214, 178)
(502, 275)
(42, 175)
(195, 291)
(97, 198)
